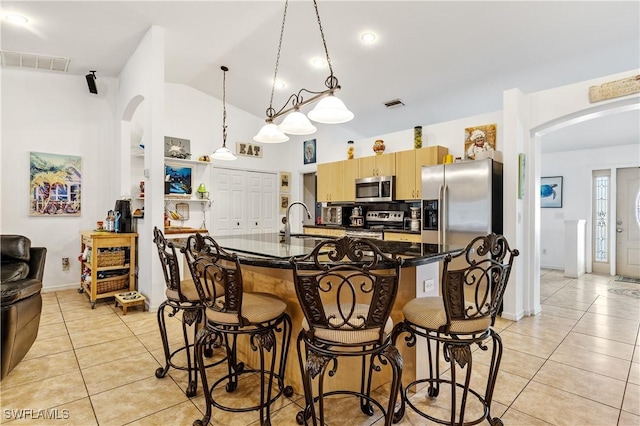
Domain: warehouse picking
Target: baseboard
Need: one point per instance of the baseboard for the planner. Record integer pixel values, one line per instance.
(53, 289)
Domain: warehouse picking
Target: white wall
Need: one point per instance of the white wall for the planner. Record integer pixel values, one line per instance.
(576, 169)
(55, 113)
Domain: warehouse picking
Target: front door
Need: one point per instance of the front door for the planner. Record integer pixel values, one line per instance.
(628, 223)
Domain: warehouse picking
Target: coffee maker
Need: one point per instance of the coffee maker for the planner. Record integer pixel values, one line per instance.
(124, 208)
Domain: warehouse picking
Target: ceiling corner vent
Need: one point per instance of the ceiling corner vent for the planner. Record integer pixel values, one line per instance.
(33, 61)
(396, 103)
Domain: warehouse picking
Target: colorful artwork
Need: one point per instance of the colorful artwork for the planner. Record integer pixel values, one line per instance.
(178, 180)
(309, 151)
(249, 149)
(479, 139)
(551, 192)
(55, 184)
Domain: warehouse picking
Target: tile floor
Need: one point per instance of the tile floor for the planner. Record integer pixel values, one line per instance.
(578, 363)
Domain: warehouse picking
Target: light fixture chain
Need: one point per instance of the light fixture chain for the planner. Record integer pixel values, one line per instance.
(324, 43)
(224, 106)
(275, 73)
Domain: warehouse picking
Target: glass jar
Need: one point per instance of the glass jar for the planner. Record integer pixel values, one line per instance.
(417, 137)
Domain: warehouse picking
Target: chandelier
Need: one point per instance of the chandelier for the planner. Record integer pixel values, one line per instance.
(329, 109)
(224, 153)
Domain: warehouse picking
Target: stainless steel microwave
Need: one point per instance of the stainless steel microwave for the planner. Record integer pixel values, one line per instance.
(376, 189)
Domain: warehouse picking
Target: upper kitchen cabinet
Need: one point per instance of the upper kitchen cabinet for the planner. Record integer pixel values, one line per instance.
(408, 169)
(337, 181)
(377, 165)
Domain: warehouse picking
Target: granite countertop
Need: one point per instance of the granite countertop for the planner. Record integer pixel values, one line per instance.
(169, 230)
(269, 250)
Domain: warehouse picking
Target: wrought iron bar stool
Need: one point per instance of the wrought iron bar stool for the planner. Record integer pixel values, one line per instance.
(473, 285)
(346, 288)
(231, 313)
(182, 296)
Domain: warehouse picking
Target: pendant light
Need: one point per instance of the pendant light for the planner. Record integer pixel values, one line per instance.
(224, 153)
(330, 109)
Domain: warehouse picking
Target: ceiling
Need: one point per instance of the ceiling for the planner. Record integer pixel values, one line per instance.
(444, 59)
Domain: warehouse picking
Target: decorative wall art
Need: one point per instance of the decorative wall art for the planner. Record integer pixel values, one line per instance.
(309, 151)
(284, 203)
(479, 139)
(177, 148)
(551, 192)
(522, 159)
(178, 180)
(55, 184)
(248, 149)
(285, 182)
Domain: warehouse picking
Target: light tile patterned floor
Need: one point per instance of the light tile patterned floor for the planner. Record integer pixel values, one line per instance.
(578, 363)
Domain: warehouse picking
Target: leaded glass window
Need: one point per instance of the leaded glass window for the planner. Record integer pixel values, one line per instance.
(601, 219)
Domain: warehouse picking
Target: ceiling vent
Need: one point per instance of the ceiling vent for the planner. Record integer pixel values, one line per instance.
(396, 103)
(38, 62)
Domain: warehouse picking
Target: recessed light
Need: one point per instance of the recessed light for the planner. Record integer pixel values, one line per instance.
(16, 19)
(318, 62)
(368, 37)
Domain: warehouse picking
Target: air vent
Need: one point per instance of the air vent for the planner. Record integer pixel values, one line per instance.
(30, 60)
(396, 103)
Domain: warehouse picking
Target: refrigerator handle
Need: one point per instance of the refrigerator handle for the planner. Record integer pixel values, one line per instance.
(445, 212)
(440, 210)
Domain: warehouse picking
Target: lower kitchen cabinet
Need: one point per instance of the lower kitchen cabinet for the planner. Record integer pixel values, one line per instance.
(325, 232)
(401, 236)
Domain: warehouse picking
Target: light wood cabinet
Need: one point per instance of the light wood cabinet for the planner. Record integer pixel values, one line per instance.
(408, 169)
(109, 265)
(377, 165)
(401, 236)
(337, 181)
(325, 232)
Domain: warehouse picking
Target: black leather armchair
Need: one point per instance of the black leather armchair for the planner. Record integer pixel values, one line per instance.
(21, 303)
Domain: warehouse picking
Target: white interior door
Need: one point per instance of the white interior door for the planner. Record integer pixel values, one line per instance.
(262, 202)
(229, 211)
(628, 222)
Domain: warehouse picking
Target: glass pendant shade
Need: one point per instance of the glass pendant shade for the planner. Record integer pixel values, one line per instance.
(296, 123)
(330, 110)
(223, 153)
(270, 134)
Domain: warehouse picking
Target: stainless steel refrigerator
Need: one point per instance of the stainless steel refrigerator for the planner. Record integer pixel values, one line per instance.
(461, 201)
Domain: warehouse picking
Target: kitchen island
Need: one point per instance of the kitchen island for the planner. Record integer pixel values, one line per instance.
(266, 268)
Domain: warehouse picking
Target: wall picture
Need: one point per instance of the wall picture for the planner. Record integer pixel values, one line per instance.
(309, 151)
(55, 184)
(177, 148)
(249, 149)
(285, 182)
(522, 160)
(284, 203)
(178, 180)
(551, 192)
(479, 139)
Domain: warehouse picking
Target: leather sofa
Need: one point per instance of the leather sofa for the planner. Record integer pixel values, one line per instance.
(21, 302)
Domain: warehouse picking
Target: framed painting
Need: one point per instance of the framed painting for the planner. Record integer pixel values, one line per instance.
(522, 160)
(479, 139)
(55, 184)
(178, 181)
(309, 151)
(551, 192)
(284, 203)
(285, 182)
(177, 148)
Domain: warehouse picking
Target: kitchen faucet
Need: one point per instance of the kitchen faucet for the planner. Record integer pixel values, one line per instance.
(287, 226)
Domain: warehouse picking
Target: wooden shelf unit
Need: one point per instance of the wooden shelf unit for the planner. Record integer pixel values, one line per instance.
(104, 242)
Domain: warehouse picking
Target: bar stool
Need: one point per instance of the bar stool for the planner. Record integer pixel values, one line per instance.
(346, 288)
(230, 313)
(182, 296)
(462, 318)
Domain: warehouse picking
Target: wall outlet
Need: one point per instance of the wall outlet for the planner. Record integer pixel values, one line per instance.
(65, 263)
(428, 285)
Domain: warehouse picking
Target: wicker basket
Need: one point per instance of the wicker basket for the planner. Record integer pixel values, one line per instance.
(111, 258)
(107, 285)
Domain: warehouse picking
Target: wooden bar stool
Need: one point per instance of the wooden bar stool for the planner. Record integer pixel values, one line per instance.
(346, 288)
(462, 318)
(231, 313)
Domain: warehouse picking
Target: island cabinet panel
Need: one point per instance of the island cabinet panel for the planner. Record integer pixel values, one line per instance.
(336, 181)
(408, 169)
(325, 232)
(377, 165)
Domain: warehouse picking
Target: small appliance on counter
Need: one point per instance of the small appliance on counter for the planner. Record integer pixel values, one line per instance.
(123, 211)
(356, 217)
(415, 218)
(332, 215)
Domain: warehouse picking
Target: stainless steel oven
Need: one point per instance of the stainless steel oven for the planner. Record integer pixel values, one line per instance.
(375, 189)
